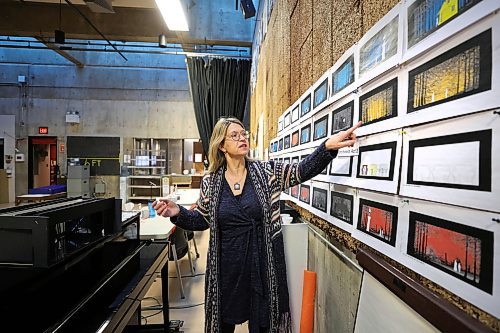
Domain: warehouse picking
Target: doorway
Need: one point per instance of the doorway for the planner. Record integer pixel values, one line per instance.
(42, 161)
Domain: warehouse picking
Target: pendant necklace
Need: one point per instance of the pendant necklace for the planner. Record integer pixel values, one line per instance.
(237, 185)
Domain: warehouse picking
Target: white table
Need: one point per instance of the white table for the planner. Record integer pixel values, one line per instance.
(157, 227)
(188, 196)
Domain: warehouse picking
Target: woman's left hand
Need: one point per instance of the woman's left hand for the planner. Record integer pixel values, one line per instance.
(342, 139)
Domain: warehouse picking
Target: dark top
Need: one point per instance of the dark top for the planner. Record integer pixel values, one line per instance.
(242, 266)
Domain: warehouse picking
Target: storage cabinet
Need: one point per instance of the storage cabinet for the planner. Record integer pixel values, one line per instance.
(147, 169)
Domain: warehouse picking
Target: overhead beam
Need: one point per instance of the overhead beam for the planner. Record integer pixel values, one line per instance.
(127, 24)
(66, 55)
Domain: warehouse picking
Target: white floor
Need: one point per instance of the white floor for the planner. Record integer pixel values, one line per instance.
(193, 313)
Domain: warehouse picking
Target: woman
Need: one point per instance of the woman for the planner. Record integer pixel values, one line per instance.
(239, 201)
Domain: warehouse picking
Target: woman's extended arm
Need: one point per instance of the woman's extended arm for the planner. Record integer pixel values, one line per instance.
(196, 219)
(296, 173)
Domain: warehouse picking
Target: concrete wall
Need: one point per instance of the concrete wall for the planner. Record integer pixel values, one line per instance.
(146, 96)
(7, 132)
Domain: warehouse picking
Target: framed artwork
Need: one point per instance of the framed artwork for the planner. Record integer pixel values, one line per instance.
(275, 146)
(321, 93)
(280, 144)
(427, 16)
(295, 159)
(271, 147)
(382, 46)
(377, 161)
(464, 252)
(341, 206)
(294, 191)
(455, 161)
(380, 103)
(305, 193)
(320, 128)
(342, 117)
(454, 247)
(462, 71)
(343, 76)
(295, 138)
(286, 120)
(303, 157)
(286, 160)
(378, 220)
(295, 113)
(457, 76)
(320, 199)
(280, 124)
(458, 166)
(286, 142)
(305, 106)
(341, 166)
(305, 134)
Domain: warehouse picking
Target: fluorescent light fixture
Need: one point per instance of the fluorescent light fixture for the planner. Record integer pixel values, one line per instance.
(173, 14)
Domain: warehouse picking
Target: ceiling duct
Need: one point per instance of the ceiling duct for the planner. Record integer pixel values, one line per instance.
(100, 6)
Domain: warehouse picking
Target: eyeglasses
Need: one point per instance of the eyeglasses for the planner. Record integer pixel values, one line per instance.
(236, 136)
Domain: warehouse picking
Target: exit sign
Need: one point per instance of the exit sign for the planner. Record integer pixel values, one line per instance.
(43, 130)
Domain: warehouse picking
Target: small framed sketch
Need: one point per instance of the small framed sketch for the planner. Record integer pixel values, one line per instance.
(320, 128)
(295, 114)
(342, 117)
(377, 161)
(426, 16)
(305, 134)
(320, 198)
(341, 166)
(380, 49)
(305, 193)
(378, 220)
(321, 93)
(343, 76)
(341, 206)
(287, 120)
(458, 165)
(286, 160)
(432, 23)
(454, 247)
(380, 103)
(280, 144)
(305, 106)
(271, 147)
(295, 139)
(280, 124)
(286, 142)
(377, 165)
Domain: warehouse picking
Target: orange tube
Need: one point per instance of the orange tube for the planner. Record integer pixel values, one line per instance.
(308, 294)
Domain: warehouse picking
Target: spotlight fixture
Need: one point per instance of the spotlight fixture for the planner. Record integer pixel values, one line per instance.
(162, 41)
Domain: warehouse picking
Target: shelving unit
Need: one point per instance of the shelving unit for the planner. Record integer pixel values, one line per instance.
(147, 169)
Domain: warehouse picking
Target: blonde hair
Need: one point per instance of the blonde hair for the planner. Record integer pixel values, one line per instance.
(216, 157)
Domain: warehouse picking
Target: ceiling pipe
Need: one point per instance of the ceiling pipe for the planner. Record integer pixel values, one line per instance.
(192, 53)
(94, 27)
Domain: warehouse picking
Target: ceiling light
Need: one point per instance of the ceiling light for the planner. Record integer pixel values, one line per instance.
(173, 14)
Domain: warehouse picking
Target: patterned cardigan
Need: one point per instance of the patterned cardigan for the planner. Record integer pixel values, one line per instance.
(269, 180)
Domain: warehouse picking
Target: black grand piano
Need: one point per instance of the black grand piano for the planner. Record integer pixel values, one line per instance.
(75, 265)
